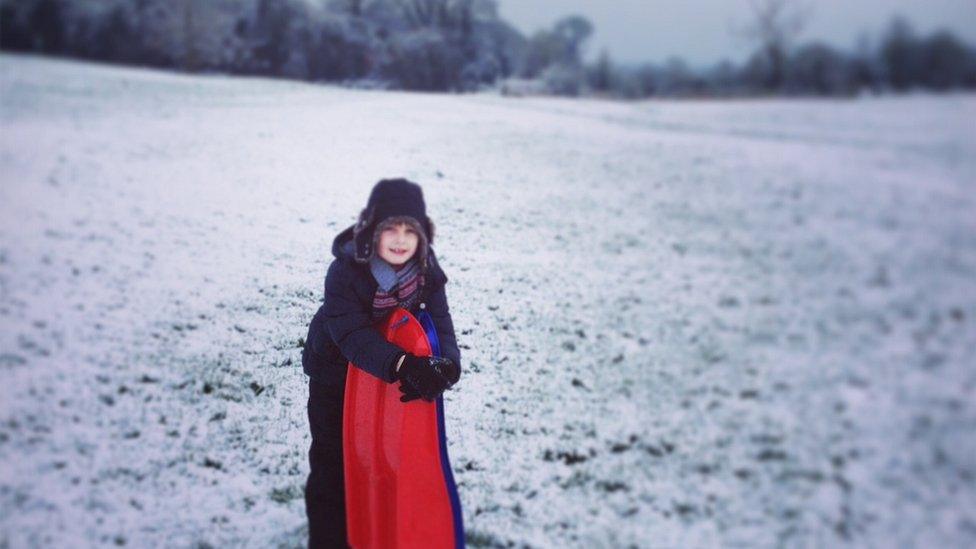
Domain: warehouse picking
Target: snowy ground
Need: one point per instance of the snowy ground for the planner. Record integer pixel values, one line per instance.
(746, 323)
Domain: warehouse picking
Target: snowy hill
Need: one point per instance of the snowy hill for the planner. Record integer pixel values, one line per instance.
(743, 323)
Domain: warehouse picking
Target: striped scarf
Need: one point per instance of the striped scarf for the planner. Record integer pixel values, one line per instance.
(395, 288)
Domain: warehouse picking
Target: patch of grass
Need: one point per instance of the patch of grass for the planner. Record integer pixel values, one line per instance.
(286, 493)
(476, 538)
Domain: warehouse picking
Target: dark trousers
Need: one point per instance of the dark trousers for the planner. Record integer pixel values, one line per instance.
(325, 502)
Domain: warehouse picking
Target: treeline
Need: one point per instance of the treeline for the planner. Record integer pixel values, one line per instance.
(899, 61)
(449, 45)
(454, 45)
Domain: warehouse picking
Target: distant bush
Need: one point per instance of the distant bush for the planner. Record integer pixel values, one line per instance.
(339, 49)
(819, 69)
(423, 60)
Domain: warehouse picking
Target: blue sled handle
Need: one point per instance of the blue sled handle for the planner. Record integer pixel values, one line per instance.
(428, 323)
(435, 347)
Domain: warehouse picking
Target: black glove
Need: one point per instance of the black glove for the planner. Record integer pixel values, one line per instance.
(447, 368)
(409, 393)
(426, 376)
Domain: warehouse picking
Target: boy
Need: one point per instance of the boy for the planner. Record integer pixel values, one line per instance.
(382, 262)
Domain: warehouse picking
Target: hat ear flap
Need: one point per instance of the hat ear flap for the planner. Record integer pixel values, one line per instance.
(361, 238)
(365, 218)
(430, 232)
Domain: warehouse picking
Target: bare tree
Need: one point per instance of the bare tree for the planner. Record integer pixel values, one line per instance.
(427, 13)
(351, 7)
(448, 15)
(774, 26)
(191, 61)
(574, 31)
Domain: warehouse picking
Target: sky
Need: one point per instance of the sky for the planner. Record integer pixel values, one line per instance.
(701, 31)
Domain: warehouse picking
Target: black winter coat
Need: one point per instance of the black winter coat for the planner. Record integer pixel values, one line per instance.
(342, 330)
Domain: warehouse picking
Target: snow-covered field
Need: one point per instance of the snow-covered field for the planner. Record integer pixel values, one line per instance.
(683, 324)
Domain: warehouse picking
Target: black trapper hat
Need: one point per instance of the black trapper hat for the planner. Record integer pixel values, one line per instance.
(389, 198)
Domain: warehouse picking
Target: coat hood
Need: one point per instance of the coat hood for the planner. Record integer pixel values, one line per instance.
(339, 248)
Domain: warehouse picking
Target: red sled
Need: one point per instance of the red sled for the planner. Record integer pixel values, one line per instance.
(382, 437)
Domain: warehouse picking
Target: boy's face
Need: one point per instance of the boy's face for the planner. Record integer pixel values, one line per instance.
(398, 244)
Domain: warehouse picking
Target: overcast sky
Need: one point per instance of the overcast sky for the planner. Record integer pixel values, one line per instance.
(699, 30)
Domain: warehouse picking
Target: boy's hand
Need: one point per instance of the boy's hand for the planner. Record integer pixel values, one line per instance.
(409, 393)
(447, 368)
(427, 376)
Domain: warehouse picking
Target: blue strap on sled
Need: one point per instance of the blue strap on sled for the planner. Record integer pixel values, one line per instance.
(435, 346)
